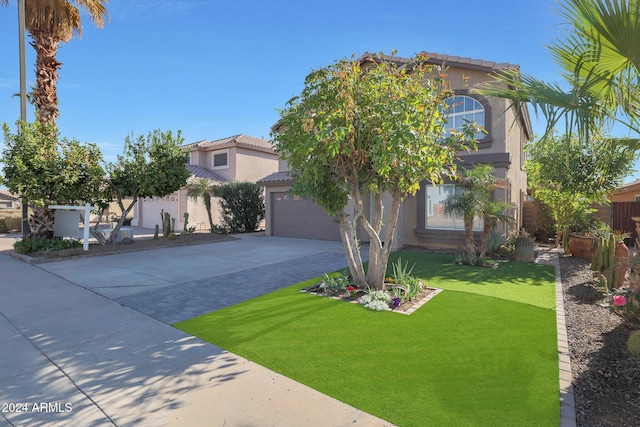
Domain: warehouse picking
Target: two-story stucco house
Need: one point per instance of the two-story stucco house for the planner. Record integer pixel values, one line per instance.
(236, 158)
(422, 221)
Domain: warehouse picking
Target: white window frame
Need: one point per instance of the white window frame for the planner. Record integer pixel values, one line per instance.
(452, 115)
(213, 158)
(478, 223)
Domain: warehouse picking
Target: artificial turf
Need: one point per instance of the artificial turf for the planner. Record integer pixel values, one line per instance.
(481, 353)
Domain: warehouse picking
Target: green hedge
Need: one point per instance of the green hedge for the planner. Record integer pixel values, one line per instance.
(10, 220)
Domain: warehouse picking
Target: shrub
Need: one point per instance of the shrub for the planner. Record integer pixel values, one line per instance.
(495, 240)
(34, 244)
(625, 301)
(219, 229)
(13, 223)
(242, 205)
(634, 344)
(406, 286)
(376, 300)
(3, 226)
(335, 284)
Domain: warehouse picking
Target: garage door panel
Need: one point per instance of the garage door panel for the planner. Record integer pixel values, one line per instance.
(293, 216)
(152, 207)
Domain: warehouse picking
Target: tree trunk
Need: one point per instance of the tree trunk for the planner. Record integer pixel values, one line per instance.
(468, 238)
(207, 205)
(96, 233)
(485, 239)
(376, 272)
(123, 216)
(352, 251)
(45, 95)
(41, 223)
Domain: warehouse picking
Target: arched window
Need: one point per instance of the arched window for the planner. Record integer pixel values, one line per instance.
(464, 108)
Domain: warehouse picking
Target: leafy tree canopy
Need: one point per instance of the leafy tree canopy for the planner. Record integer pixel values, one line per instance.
(568, 176)
(375, 125)
(47, 170)
(150, 166)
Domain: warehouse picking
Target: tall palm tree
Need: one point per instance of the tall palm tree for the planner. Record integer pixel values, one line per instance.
(49, 22)
(600, 59)
(202, 189)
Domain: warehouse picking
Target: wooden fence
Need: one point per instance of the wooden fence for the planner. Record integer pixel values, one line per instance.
(617, 215)
(622, 212)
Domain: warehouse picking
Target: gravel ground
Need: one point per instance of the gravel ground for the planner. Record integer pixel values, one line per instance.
(606, 376)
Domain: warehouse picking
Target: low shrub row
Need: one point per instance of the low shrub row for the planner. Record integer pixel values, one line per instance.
(10, 221)
(29, 245)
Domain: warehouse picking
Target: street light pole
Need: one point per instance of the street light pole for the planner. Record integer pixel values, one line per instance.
(23, 96)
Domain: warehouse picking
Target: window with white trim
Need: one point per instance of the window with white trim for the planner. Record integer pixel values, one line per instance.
(435, 217)
(220, 160)
(638, 198)
(464, 109)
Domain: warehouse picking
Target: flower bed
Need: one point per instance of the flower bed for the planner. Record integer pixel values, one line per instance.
(378, 302)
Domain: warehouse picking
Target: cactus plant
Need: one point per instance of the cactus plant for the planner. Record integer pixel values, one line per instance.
(603, 261)
(155, 235)
(634, 344)
(167, 222)
(186, 222)
(523, 249)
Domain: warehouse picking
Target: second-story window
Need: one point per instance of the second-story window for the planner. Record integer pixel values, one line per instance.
(464, 108)
(220, 160)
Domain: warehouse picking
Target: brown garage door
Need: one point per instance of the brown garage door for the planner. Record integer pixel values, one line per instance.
(294, 216)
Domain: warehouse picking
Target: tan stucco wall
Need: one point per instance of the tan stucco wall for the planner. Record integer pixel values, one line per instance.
(252, 165)
(198, 213)
(627, 195)
(243, 164)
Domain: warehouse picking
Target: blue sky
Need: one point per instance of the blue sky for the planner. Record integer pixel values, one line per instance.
(213, 69)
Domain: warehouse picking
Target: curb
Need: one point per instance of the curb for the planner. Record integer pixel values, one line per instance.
(567, 401)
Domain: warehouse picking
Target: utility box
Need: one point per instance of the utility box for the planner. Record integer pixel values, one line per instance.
(123, 233)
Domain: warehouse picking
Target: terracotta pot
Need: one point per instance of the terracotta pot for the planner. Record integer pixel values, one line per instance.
(581, 246)
(621, 256)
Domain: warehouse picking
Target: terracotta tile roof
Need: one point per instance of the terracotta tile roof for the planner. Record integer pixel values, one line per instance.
(627, 186)
(454, 61)
(236, 140)
(275, 178)
(198, 172)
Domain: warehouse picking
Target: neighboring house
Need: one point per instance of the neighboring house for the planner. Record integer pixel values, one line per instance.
(422, 221)
(236, 158)
(629, 192)
(8, 200)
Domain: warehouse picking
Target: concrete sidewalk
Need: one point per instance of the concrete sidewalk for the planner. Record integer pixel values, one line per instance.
(78, 349)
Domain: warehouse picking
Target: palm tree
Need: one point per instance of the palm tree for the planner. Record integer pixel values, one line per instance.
(202, 189)
(49, 22)
(600, 59)
(492, 212)
(475, 201)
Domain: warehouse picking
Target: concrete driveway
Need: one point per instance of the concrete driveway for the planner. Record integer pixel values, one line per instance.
(88, 342)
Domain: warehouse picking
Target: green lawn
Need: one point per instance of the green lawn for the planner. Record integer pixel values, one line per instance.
(481, 353)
